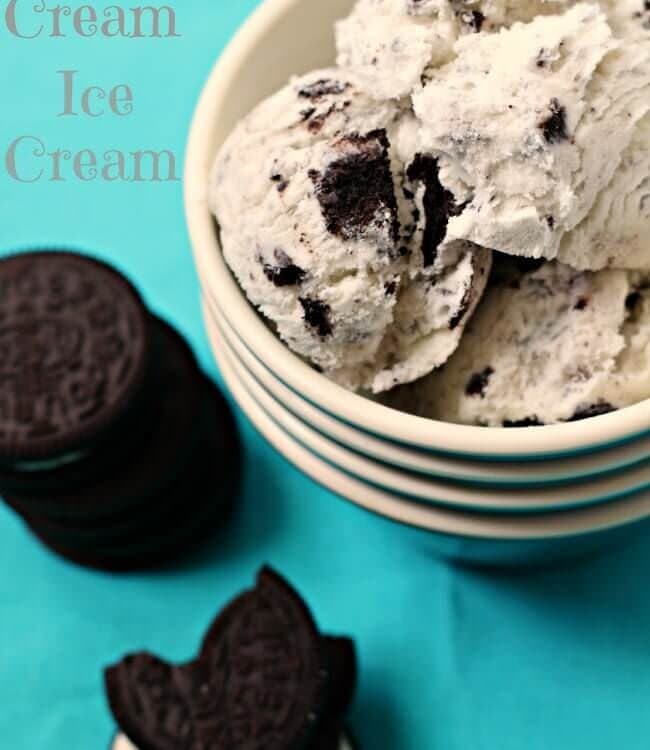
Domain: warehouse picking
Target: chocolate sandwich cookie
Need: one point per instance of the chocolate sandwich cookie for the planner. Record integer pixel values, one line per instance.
(182, 516)
(75, 345)
(265, 678)
(166, 443)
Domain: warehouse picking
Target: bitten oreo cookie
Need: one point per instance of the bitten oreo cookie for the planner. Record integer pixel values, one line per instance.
(265, 679)
(74, 349)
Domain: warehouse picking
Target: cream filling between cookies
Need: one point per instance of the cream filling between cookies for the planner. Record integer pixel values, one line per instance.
(48, 464)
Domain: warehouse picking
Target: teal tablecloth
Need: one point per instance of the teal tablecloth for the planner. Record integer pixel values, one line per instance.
(451, 659)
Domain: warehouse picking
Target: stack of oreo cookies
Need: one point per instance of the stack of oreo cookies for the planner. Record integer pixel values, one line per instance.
(114, 448)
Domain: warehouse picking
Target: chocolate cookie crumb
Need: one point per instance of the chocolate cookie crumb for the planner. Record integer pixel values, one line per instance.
(281, 183)
(390, 288)
(439, 204)
(528, 265)
(581, 304)
(473, 20)
(527, 422)
(323, 87)
(317, 315)
(633, 299)
(285, 272)
(357, 188)
(479, 382)
(462, 310)
(592, 411)
(554, 127)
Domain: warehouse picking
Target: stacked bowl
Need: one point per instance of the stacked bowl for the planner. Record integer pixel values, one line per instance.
(480, 495)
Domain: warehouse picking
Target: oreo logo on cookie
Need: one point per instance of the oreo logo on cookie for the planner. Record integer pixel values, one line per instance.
(74, 347)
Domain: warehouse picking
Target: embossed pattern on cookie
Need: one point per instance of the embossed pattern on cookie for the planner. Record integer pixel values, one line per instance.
(265, 679)
(74, 345)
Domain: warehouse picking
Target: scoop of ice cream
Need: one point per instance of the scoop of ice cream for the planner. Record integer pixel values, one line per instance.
(541, 130)
(323, 228)
(551, 345)
(392, 44)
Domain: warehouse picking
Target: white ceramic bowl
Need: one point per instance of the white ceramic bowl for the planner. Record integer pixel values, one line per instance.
(486, 539)
(415, 486)
(631, 456)
(285, 37)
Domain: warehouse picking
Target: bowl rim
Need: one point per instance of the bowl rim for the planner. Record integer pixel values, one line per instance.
(462, 440)
(430, 491)
(520, 475)
(446, 522)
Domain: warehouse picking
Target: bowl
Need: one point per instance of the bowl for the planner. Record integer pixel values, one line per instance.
(495, 475)
(280, 39)
(415, 486)
(461, 536)
(562, 489)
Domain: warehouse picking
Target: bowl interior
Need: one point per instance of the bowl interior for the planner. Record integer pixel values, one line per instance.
(282, 38)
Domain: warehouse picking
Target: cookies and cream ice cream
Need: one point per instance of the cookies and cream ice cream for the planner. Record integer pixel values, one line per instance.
(393, 44)
(325, 215)
(359, 207)
(551, 345)
(534, 126)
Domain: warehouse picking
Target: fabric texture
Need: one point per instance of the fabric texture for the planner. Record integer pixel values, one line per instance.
(451, 659)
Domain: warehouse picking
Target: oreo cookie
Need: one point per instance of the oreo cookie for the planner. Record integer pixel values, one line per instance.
(74, 351)
(109, 431)
(264, 678)
(165, 445)
(175, 521)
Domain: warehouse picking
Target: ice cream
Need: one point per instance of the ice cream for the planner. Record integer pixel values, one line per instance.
(391, 45)
(360, 207)
(551, 345)
(532, 128)
(323, 208)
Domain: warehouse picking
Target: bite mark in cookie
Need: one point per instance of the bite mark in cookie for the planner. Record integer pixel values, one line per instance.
(265, 678)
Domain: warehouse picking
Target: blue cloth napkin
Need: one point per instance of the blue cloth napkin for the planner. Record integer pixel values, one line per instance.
(451, 659)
